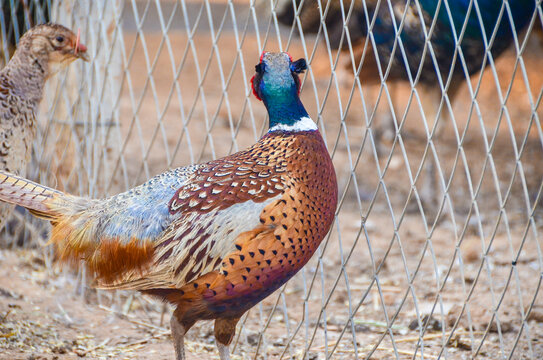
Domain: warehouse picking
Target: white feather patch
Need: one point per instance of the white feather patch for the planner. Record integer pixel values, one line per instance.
(303, 124)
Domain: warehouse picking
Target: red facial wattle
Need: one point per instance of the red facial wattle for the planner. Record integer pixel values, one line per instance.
(254, 90)
(298, 83)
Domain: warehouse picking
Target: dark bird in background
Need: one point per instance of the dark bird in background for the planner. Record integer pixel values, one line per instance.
(213, 239)
(41, 52)
(481, 18)
(16, 17)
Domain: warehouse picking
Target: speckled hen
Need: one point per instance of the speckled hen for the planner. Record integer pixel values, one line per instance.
(213, 239)
(41, 52)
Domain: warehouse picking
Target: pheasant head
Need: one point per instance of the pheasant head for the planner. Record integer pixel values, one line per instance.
(277, 84)
(51, 46)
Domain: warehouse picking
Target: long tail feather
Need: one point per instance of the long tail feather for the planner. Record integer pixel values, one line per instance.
(37, 198)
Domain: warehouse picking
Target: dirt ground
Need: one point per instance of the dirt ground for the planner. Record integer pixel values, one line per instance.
(381, 263)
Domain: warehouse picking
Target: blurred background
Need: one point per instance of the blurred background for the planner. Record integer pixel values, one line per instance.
(430, 110)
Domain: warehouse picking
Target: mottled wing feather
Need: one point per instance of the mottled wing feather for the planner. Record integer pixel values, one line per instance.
(222, 200)
(221, 184)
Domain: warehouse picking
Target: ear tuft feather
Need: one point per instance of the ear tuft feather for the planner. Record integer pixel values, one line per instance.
(298, 66)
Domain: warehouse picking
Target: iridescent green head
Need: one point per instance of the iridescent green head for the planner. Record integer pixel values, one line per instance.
(277, 84)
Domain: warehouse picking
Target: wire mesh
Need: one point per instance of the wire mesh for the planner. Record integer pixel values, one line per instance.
(435, 251)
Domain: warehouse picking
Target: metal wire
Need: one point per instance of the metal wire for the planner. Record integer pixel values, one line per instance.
(168, 86)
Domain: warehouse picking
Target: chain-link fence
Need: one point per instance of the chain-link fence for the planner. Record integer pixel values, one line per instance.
(436, 248)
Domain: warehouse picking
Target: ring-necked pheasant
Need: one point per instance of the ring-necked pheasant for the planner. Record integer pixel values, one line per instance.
(41, 52)
(213, 239)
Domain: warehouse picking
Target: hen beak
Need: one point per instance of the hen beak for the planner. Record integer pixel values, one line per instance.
(80, 51)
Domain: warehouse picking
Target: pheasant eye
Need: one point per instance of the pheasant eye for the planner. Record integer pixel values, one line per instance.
(259, 68)
(60, 39)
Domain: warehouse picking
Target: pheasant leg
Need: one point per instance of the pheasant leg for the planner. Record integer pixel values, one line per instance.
(225, 329)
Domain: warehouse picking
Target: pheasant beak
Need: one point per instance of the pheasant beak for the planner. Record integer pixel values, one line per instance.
(80, 50)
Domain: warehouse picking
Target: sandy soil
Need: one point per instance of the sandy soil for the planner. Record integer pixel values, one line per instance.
(42, 317)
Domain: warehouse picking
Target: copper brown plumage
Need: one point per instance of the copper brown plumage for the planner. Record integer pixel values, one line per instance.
(290, 227)
(39, 54)
(212, 239)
